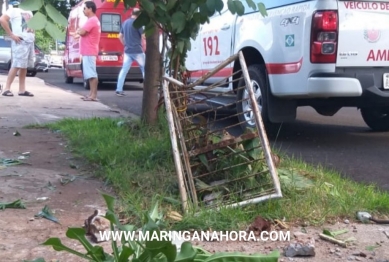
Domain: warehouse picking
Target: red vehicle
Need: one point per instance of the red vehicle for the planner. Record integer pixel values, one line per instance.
(110, 59)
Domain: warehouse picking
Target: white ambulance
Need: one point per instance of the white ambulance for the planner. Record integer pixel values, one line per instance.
(327, 54)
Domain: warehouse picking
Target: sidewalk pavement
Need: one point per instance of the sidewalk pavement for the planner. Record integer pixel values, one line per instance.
(37, 182)
(49, 104)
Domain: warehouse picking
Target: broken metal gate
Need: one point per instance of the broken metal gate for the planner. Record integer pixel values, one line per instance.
(214, 168)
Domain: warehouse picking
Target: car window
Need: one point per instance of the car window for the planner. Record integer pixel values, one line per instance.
(4, 43)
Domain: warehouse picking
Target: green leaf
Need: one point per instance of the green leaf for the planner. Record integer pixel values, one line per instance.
(262, 9)
(125, 254)
(219, 5)
(170, 251)
(31, 5)
(251, 4)
(203, 8)
(55, 15)
(180, 46)
(142, 20)
(178, 22)
(54, 31)
(215, 5)
(129, 3)
(235, 6)
(46, 213)
(16, 204)
(37, 22)
(187, 253)
(237, 256)
(39, 259)
(148, 6)
(109, 201)
(96, 252)
(111, 216)
(58, 246)
(170, 4)
(149, 29)
(154, 213)
(211, 5)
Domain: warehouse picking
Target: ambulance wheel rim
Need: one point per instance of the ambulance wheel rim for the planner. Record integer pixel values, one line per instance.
(247, 105)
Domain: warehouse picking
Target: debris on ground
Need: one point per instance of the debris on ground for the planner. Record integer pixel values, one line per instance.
(334, 233)
(16, 204)
(16, 133)
(303, 245)
(42, 198)
(10, 162)
(333, 240)
(95, 224)
(65, 181)
(259, 225)
(48, 214)
(50, 186)
(174, 215)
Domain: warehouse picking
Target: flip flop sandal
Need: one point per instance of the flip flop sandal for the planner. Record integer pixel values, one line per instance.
(90, 99)
(8, 93)
(26, 93)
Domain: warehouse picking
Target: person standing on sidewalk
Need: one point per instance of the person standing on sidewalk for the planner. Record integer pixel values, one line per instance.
(131, 38)
(22, 46)
(89, 36)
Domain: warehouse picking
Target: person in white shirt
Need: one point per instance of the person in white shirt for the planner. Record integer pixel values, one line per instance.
(22, 47)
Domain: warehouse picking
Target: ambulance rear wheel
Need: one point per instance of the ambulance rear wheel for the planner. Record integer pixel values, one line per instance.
(376, 118)
(86, 84)
(245, 109)
(68, 79)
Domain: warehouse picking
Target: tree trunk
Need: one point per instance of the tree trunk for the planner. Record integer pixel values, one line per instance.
(152, 79)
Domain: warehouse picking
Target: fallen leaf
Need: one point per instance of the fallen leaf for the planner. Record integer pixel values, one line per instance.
(46, 213)
(16, 204)
(10, 162)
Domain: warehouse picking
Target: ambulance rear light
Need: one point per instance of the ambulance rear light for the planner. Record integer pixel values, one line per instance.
(324, 37)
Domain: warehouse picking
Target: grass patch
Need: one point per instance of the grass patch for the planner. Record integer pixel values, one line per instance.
(137, 160)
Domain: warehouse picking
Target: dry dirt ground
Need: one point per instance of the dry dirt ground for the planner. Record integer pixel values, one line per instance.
(50, 160)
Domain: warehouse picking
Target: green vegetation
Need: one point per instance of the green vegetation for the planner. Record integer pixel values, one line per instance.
(158, 248)
(137, 160)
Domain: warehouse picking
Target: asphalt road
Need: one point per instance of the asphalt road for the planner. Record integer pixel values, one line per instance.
(342, 142)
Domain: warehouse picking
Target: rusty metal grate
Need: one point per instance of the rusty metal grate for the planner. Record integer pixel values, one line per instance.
(214, 167)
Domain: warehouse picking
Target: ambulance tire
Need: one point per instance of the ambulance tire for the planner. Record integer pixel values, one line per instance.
(259, 82)
(86, 84)
(376, 118)
(68, 79)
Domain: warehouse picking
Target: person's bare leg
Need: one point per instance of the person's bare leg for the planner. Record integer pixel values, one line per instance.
(93, 82)
(11, 77)
(22, 80)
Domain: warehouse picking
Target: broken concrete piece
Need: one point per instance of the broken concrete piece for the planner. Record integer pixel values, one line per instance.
(303, 245)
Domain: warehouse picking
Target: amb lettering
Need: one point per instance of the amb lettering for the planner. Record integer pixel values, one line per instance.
(366, 5)
(113, 35)
(378, 55)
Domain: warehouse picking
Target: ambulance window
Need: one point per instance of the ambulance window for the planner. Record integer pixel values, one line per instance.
(110, 23)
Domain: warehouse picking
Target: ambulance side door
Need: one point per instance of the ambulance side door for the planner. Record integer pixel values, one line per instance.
(216, 38)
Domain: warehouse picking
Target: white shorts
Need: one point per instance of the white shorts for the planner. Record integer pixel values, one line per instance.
(23, 54)
(89, 67)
